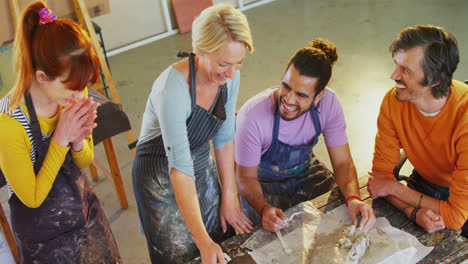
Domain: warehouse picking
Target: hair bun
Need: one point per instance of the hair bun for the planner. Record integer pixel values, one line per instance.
(327, 47)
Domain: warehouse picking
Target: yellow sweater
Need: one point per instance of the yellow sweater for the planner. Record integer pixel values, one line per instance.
(436, 146)
(15, 158)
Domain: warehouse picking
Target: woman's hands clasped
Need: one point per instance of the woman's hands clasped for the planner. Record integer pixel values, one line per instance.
(76, 122)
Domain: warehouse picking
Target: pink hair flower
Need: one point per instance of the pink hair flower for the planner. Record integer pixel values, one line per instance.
(46, 16)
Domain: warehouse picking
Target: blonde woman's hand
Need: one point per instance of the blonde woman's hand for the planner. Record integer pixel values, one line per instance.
(232, 213)
(211, 253)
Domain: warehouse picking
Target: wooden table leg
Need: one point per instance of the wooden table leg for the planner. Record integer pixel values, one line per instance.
(94, 173)
(8, 235)
(115, 171)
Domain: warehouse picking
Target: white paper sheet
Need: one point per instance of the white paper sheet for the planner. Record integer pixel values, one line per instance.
(313, 240)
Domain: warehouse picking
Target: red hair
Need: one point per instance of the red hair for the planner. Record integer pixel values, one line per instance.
(55, 48)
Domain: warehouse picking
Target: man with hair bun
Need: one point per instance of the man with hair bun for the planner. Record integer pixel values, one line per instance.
(276, 132)
(425, 114)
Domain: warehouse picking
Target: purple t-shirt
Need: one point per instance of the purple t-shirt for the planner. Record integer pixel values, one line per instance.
(254, 126)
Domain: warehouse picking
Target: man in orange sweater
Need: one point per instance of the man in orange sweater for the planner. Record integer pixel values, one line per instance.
(425, 114)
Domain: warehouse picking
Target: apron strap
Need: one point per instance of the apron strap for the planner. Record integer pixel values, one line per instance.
(192, 73)
(36, 133)
(317, 125)
(193, 81)
(276, 122)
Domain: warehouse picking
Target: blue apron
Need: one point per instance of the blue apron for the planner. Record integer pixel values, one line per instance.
(289, 174)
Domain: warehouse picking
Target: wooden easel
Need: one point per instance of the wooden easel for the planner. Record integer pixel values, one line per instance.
(85, 21)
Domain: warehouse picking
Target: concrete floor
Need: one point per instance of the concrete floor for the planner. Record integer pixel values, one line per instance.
(361, 29)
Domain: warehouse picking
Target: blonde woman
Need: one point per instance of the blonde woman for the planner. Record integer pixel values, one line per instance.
(180, 203)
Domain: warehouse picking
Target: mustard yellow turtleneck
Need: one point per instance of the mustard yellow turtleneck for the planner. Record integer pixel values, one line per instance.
(15, 158)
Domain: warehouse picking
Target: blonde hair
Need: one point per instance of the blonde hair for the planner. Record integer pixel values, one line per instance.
(216, 25)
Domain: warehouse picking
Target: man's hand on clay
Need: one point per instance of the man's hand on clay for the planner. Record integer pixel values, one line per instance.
(273, 218)
(356, 208)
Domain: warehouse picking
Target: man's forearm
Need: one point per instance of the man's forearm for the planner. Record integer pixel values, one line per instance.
(251, 190)
(415, 198)
(346, 179)
(344, 170)
(399, 204)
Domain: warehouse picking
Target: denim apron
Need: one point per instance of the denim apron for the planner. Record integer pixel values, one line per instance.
(168, 237)
(70, 225)
(417, 182)
(289, 174)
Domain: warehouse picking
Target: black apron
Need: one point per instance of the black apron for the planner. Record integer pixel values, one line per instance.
(289, 174)
(168, 237)
(70, 225)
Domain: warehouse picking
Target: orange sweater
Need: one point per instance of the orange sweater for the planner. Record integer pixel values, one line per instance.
(436, 146)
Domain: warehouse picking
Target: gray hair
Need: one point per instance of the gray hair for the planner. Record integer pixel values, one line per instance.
(440, 54)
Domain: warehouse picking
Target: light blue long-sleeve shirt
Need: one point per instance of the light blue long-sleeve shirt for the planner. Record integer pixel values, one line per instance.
(167, 110)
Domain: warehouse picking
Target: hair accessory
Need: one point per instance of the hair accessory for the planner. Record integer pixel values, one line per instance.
(46, 16)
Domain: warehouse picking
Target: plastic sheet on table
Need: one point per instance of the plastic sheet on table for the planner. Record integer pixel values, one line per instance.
(313, 238)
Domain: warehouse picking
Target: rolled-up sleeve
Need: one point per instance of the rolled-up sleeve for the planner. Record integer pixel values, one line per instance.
(228, 128)
(172, 107)
(455, 210)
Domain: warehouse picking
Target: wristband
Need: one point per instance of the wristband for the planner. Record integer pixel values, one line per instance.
(413, 214)
(352, 197)
(406, 207)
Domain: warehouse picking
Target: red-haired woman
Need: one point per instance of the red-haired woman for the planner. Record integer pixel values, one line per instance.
(46, 122)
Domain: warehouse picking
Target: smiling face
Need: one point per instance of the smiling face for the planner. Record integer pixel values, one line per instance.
(296, 94)
(409, 75)
(222, 63)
